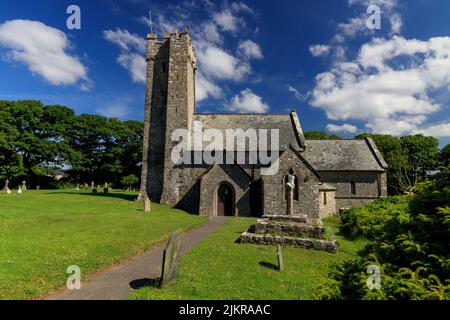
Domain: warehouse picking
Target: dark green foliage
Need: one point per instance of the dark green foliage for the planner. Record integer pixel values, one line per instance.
(444, 156)
(409, 158)
(36, 140)
(410, 243)
(320, 135)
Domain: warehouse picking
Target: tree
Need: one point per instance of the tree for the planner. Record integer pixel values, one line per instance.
(444, 156)
(409, 159)
(320, 135)
(129, 181)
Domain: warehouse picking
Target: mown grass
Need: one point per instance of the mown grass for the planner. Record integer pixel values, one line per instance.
(44, 232)
(219, 268)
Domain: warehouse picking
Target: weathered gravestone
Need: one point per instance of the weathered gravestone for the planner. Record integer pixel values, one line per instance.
(147, 205)
(280, 258)
(24, 185)
(6, 188)
(19, 191)
(171, 260)
(106, 188)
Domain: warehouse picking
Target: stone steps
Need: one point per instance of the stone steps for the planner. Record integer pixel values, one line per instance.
(297, 231)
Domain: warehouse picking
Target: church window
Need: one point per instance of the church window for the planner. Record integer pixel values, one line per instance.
(353, 187)
(164, 67)
(325, 198)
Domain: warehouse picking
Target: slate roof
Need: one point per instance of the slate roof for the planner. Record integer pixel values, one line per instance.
(288, 125)
(344, 155)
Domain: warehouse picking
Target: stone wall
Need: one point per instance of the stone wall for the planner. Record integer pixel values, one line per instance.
(368, 186)
(235, 177)
(308, 200)
(327, 203)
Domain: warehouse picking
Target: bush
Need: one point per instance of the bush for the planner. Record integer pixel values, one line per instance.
(368, 221)
(410, 241)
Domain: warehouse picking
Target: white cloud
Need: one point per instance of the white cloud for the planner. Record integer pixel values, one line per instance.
(319, 50)
(437, 130)
(342, 128)
(226, 20)
(136, 66)
(219, 64)
(205, 88)
(248, 102)
(297, 94)
(132, 56)
(391, 97)
(118, 108)
(250, 49)
(43, 50)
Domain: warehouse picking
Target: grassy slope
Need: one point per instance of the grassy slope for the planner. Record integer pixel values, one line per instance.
(218, 268)
(44, 232)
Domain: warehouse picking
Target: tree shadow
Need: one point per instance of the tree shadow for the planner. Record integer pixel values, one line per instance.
(145, 282)
(123, 196)
(268, 265)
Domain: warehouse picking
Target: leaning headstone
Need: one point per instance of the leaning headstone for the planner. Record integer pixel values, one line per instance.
(19, 191)
(24, 185)
(171, 260)
(280, 258)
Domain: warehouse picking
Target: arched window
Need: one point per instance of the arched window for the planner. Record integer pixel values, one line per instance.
(296, 191)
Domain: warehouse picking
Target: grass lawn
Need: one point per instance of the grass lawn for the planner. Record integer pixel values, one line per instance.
(44, 232)
(219, 268)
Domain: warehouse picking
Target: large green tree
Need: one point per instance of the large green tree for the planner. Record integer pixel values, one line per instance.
(409, 159)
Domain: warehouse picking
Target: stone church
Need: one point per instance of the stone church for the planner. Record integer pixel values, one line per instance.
(329, 175)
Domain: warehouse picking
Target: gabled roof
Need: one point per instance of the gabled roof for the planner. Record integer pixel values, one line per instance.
(288, 125)
(344, 155)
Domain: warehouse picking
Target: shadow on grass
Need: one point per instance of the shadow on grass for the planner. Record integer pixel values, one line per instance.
(145, 282)
(268, 265)
(128, 197)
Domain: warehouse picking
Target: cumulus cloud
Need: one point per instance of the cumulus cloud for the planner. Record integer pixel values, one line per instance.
(132, 52)
(205, 88)
(387, 85)
(43, 50)
(250, 49)
(319, 50)
(342, 128)
(216, 62)
(248, 102)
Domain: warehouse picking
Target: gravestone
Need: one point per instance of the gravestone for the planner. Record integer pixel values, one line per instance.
(171, 260)
(78, 187)
(38, 187)
(280, 258)
(6, 188)
(24, 185)
(92, 185)
(147, 204)
(19, 191)
(106, 189)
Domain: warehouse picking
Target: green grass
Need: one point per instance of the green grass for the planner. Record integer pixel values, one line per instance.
(44, 232)
(219, 268)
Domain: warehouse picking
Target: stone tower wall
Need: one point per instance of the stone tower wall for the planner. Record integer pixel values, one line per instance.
(171, 103)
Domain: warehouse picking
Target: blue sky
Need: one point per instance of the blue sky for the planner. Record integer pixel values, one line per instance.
(318, 57)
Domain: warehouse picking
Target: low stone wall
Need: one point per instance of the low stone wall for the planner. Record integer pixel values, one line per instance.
(301, 218)
(267, 239)
(289, 229)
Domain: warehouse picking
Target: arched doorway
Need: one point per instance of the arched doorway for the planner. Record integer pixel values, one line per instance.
(225, 200)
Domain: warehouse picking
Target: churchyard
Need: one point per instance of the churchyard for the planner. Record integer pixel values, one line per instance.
(46, 231)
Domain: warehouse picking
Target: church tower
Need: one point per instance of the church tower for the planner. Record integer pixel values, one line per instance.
(169, 105)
